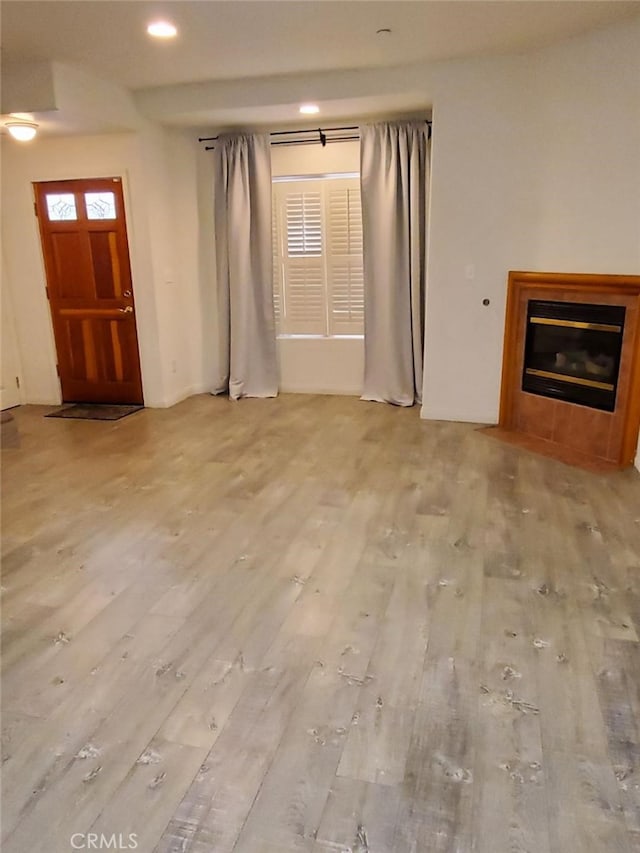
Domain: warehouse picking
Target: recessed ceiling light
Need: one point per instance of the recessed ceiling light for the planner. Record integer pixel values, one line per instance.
(23, 131)
(162, 30)
(309, 109)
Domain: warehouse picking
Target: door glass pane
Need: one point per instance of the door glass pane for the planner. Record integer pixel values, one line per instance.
(61, 206)
(100, 205)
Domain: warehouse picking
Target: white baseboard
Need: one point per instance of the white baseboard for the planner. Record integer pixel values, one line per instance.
(42, 401)
(429, 413)
(191, 390)
(176, 398)
(298, 389)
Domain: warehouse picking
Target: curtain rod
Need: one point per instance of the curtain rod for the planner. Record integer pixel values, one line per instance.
(322, 141)
(322, 135)
(311, 130)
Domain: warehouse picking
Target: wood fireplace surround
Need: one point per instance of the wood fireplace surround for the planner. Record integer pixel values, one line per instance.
(575, 433)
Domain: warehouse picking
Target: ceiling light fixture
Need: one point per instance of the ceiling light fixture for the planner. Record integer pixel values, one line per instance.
(309, 109)
(162, 30)
(23, 131)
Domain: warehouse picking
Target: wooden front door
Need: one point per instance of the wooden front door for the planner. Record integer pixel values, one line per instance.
(89, 287)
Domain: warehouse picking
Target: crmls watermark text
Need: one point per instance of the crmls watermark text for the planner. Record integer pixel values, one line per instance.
(95, 841)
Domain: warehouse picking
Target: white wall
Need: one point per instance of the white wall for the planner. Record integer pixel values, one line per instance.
(535, 167)
(586, 127)
(192, 293)
(208, 367)
(169, 176)
(482, 213)
(319, 365)
(10, 362)
(161, 214)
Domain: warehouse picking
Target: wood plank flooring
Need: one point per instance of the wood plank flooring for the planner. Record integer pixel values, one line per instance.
(313, 625)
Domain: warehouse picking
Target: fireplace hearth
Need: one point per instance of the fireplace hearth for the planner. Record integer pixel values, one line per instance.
(571, 367)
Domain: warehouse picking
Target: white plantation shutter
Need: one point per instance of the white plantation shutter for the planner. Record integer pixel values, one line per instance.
(344, 261)
(303, 262)
(303, 221)
(318, 287)
(277, 264)
(305, 299)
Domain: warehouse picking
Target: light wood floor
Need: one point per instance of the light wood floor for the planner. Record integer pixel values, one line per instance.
(315, 624)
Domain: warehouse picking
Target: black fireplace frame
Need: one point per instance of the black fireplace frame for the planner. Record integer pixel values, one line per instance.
(588, 318)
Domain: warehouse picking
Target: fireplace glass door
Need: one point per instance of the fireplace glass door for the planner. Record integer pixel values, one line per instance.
(572, 352)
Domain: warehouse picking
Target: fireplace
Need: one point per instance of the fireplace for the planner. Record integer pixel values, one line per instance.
(571, 367)
(572, 352)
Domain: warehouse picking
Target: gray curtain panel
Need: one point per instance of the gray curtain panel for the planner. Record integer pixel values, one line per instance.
(394, 172)
(242, 211)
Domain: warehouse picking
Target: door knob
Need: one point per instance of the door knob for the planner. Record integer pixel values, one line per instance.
(127, 310)
(127, 293)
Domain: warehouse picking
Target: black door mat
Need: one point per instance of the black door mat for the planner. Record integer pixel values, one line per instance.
(94, 412)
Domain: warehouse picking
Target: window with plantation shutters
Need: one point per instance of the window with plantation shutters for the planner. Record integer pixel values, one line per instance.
(317, 257)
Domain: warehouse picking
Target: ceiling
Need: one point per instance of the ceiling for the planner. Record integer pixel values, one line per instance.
(235, 47)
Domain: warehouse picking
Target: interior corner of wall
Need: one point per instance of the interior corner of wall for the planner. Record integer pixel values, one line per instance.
(174, 398)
